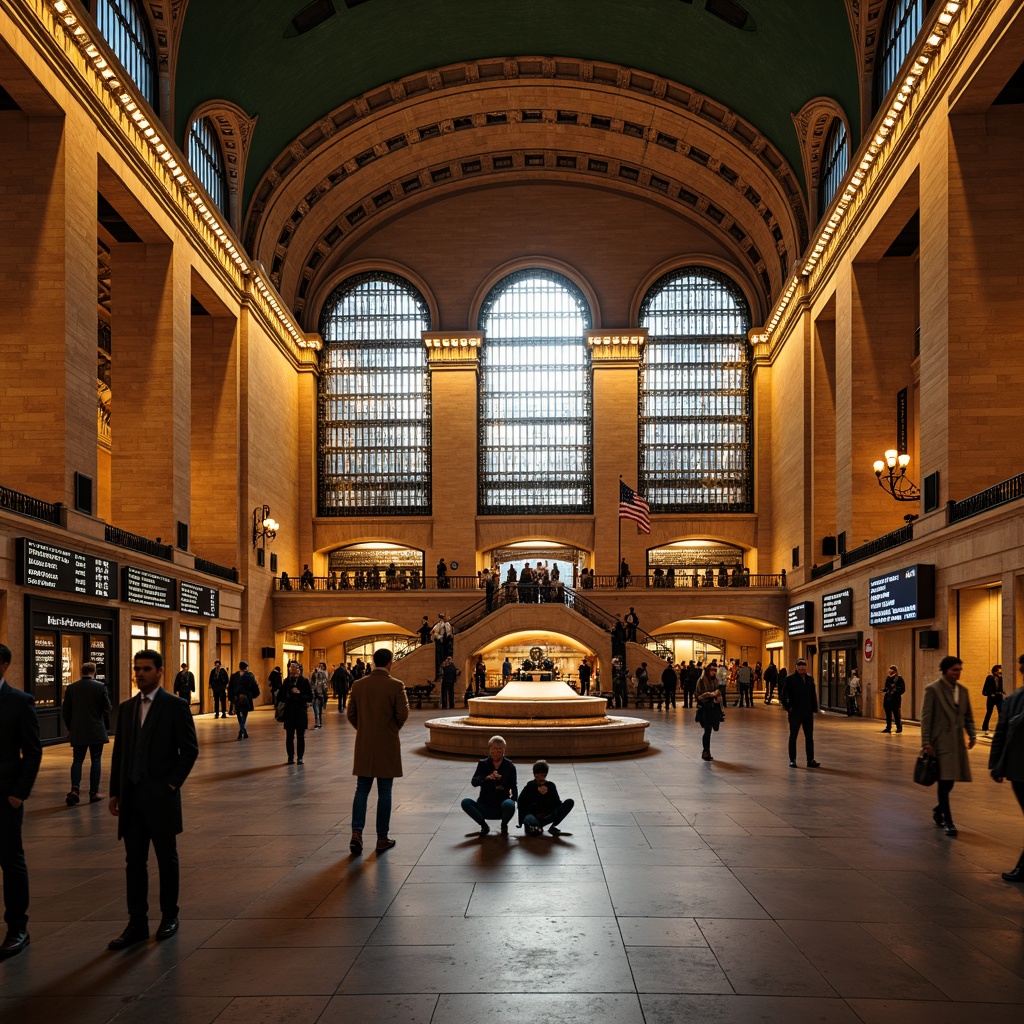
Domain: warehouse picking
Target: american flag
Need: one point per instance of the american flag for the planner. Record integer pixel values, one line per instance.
(632, 506)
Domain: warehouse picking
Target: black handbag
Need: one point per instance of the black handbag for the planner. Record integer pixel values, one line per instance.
(926, 770)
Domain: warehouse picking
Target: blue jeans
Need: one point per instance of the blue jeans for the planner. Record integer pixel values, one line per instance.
(318, 711)
(95, 766)
(243, 717)
(480, 813)
(364, 784)
(540, 820)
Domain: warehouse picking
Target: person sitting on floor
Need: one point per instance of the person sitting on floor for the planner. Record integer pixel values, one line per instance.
(539, 804)
(495, 777)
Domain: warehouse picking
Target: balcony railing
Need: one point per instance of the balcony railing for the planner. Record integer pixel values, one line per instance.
(991, 497)
(817, 571)
(344, 582)
(213, 569)
(26, 505)
(903, 535)
(145, 546)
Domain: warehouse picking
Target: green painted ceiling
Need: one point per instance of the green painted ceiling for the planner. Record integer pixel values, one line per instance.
(246, 51)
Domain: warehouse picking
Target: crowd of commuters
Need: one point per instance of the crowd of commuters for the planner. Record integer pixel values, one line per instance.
(155, 747)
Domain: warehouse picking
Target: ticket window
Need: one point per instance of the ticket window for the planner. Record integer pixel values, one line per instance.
(146, 636)
(190, 645)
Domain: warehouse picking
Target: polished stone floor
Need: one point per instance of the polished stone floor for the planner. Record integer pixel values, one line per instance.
(737, 890)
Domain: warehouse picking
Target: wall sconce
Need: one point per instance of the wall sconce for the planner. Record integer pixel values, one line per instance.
(892, 476)
(263, 529)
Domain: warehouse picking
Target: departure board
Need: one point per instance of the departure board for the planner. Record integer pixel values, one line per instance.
(70, 572)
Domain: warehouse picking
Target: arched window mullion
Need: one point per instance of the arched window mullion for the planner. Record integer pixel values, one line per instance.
(207, 161)
(536, 423)
(835, 159)
(374, 408)
(900, 30)
(696, 401)
(125, 27)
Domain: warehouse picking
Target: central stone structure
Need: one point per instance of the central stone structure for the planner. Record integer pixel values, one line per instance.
(539, 719)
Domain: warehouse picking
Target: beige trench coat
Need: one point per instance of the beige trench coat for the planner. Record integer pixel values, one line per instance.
(377, 707)
(943, 724)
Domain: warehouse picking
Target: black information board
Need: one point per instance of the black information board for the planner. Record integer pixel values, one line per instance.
(150, 588)
(837, 609)
(801, 618)
(902, 596)
(199, 600)
(71, 572)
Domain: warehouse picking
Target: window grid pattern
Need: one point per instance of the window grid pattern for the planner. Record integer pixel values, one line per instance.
(536, 423)
(835, 159)
(126, 29)
(207, 160)
(374, 416)
(902, 27)
(696, 400)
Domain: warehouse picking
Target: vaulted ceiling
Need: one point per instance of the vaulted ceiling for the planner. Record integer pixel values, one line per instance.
(685, 103)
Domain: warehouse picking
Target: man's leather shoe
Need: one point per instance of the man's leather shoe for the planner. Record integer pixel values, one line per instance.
(13, 944)
(168, 927)
(131, 936)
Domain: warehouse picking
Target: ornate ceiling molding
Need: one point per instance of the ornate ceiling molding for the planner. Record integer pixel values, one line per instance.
(517, 120)
(234, 129)
(866, 18)
(166, 18)
(812, 124)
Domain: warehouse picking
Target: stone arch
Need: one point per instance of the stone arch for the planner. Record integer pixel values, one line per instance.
(479, 127)
(812, 123)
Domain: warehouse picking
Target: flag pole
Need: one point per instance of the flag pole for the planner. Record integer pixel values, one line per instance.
(618, 564)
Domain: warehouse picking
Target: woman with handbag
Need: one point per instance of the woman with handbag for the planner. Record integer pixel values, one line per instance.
(945, 717)
(293, 699)
(709, 707)
(243, 691)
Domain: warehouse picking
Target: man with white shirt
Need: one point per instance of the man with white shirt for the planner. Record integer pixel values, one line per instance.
(154, 751)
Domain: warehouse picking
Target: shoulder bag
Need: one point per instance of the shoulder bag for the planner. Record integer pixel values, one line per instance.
(926, 770)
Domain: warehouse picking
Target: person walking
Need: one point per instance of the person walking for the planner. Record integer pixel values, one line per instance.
(185, 684)
(341, 680)
(449, 673)
(480, 675)
(21, 752)
(506, 671)
(620, 684)
(585, 674)
(318, 684)
(945, 717)
(275, 680)
(668, 685)
(799, 697)
(155, 747)
(745, 686)
(296, 695)
(377, 708)
(1006, 760)
(632, 621)
(992, 691)
(84, 708)
(892, 699)
(243, 691)
(771, 679)
(709, 707)
(690, 677)
(219, 688)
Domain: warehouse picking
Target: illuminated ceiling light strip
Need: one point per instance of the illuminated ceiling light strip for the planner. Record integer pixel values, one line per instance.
(858, 178)
(110, 80)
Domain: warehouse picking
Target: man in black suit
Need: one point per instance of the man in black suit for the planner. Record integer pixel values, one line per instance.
(219, 686)
(154, 750)
(799, 697)
(20, 755)
(185, 684)
(84, 709)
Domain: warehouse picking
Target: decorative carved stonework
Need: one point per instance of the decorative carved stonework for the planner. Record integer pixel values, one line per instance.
(617, 347)
(812, 123)
(453, 350)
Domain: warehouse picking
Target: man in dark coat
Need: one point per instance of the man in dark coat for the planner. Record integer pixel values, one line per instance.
(1007, 758)
(632, 621)
(20, 754)
(84, 708)
(892, 699)
(155, 747)
(185, 684)
(668, 685)
(219, 688)
(800, 698)
(539, 803)
(771, 677)
(449, 673)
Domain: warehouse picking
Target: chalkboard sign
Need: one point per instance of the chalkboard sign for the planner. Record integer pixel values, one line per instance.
(902, 596)
(44, 682)
(150, 588)
(71, 572)
(837, 609)
(198, 600)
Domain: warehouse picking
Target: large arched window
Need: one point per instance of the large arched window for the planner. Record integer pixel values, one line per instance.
(207, 161)
(900, 30)
(125, 27)
(835, 158)
(374, 436)
(535, 398)
(695, 395)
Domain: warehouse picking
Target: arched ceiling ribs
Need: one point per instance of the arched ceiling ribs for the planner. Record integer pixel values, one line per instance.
(167, 18)
(812, 123)
(865, 25)
(525, 119)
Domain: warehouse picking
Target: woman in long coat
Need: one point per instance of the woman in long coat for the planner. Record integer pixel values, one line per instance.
(945, 717)
(296, 694)
(709, 707)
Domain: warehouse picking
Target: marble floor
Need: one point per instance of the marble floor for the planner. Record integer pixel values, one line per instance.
(735, 890)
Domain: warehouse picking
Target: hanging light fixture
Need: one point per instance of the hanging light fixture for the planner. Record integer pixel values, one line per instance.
(892, 476)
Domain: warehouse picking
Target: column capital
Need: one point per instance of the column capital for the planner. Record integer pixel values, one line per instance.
(453, 348)
(618, 347)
